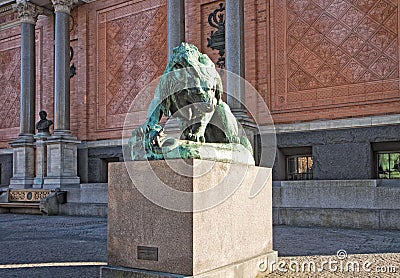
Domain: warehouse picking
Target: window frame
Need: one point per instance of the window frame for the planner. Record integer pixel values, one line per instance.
(308, 175)
(377, 164)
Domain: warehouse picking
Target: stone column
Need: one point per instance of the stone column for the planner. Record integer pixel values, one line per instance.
(234, 52)
(23, 147)
(234, 62)
(176, 24)
(62, 146)
(62, 9)
(176, 35)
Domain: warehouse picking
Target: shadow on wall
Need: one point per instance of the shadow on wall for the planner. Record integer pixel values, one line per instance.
(6, 169)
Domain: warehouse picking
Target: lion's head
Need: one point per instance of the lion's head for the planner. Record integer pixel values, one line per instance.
(191, 75)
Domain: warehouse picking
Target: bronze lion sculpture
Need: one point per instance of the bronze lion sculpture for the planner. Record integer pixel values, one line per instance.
(190, 89)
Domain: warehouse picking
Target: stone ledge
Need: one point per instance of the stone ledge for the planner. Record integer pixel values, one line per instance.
(84, 209)
(338, 218)
(334, 124)
(323, 183)
(337, 194)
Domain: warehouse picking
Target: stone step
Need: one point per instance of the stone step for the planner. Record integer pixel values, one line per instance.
(20, 207)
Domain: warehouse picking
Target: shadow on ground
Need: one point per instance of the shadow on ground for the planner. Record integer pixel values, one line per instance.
(35, 239)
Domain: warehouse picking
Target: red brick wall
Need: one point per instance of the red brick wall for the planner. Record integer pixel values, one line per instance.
(10, 49)
(334, 59)
(126, 49)
(306, 61)
(256, 58)
(316, 59)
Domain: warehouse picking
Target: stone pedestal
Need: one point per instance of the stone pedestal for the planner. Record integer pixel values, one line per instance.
(61, 163)
(23, 164)
(232, 238)
(41, 161)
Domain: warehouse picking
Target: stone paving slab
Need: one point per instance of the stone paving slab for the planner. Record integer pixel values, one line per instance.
(36, 239)
(330, 252)
(355, 265)
(303, 241)
(43, 239)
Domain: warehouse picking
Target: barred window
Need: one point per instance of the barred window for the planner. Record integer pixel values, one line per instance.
(299, 168)
(389, 165)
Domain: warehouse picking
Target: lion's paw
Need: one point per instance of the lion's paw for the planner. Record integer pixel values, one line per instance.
(196, 138)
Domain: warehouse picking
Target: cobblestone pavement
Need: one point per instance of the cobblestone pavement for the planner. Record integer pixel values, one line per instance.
(330, 252)
(35, 239)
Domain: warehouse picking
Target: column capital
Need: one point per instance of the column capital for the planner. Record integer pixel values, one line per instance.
(63, 6)
(27, 11)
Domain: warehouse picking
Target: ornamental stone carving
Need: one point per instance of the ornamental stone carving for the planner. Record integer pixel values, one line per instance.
(27, 12)
(63, 6)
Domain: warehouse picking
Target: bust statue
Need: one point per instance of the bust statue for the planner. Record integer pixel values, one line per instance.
(43, 125)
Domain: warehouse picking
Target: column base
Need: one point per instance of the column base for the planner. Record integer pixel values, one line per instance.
(38, 182)
(23, 140)
(246, 124)
(20, 183)
(60, 182)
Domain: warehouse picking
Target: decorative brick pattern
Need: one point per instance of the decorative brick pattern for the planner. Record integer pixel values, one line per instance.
(10, 87)
(335, 59)
(309, 59)
(340, 42)
(132, 52)
(8, 18)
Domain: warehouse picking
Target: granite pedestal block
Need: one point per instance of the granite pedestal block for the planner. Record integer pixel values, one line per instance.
(229, 239)
(61, 163)
(23, 165)
(40, 162)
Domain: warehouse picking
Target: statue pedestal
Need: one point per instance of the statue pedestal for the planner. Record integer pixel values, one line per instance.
(23, 163)
(41, 160)
(231, 235)
(61, 162)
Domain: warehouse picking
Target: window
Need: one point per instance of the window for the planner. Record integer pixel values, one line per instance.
(299, 168)
(389, 165)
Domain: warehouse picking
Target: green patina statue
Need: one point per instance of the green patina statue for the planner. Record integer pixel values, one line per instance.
(190, 89)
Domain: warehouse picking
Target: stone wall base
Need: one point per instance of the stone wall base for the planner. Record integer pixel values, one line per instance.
(84, 209)
(365, 204)
(338, 218)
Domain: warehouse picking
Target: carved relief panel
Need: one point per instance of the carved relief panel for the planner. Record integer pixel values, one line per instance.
(131, 52)
(334, 52)
(9, 82)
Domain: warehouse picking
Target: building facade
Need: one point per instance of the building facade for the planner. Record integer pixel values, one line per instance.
(328, 71)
